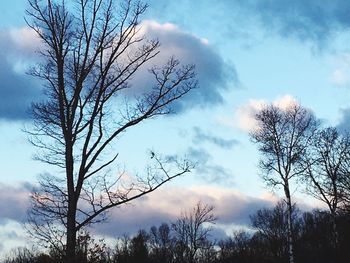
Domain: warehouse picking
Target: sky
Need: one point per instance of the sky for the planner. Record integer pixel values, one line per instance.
(246, 53)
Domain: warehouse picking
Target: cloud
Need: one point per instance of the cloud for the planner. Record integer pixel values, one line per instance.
(15, 202)
(232, 207)
(17, 90)
(200, 137)
(12, 236)
(344, 123)
(206, 169)
(167, 204)
(215, 76)
(312, 20)
(315, 21)
(18, 46)
(217, 233)
(245, 114)
(25, 42)
(164, 205)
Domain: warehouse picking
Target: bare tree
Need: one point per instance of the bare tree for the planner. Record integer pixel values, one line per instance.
(92, 49)
(326, 164)
(192, 232)
(283, 136)
(235, 248)
(272, 226)
(344, 181)
(47, 213)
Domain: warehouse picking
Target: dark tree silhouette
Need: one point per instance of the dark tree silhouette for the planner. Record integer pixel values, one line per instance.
(139, 248)
(191, 233)
(315, 242)
(282, 136)
(91, 50)
(272, 226)
(161, 243)
(326, 165)
(236, 248)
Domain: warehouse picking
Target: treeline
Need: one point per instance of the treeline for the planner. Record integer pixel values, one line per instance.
(189, 240)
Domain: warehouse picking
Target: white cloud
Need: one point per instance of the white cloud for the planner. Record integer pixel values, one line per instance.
(285, 102)
(245, 114)
(25, 40)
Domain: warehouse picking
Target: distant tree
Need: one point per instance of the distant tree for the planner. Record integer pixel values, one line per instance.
(139, 247)
(161, 243)
(21, 255)
(236, 248)
(282, 136)
(315, 242)
(91, 51)
(326, 164)
(121, 252)
(90, 251)
(272, 225)
(208, 252)
(345, 179)
(192, 233)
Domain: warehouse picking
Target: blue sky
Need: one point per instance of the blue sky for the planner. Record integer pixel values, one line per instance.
(246, 53)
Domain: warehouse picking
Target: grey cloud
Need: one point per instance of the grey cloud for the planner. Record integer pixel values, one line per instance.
(344, 124)
(231, 208)
(214, 75)
(200, 136)
(238, 209)
(164, 205)
(215, 174)
(217, 233)
(17, 89)
(129, 219)
(11, 235)
(17, 92)
(3, 221)
(312, 20)
(200, 155)
(15, 202)
(206, 169)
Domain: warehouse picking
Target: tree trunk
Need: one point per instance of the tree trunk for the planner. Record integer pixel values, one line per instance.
(289, 218)
(72, 206)
(71, 235)
(335, 236)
